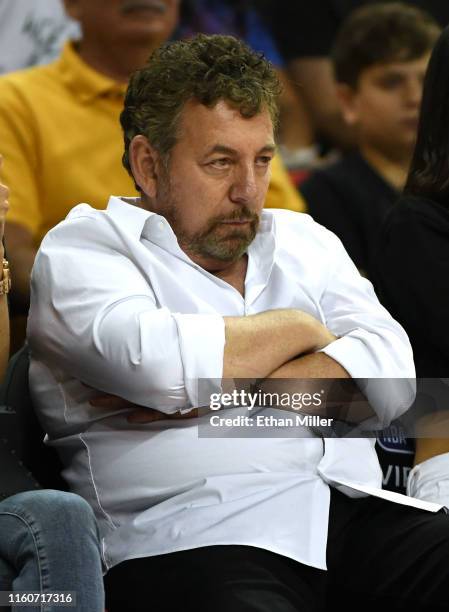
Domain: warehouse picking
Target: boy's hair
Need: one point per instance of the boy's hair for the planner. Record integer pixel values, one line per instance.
(203, 68)
(381, 33)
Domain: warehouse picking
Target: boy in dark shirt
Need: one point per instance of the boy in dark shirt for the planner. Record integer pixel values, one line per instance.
(379, 57)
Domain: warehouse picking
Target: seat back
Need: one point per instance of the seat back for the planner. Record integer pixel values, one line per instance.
(20, 430)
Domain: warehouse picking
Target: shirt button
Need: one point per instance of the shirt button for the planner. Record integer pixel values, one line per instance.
(160, 225)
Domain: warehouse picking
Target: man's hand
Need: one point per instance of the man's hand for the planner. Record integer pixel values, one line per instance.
(139, 414)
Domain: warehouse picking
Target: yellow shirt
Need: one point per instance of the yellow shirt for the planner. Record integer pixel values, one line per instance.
(62, 143)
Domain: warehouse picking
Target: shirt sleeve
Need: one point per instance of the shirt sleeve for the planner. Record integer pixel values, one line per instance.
(19, 150)
(412, 275)
(95, 317)
(371, 345)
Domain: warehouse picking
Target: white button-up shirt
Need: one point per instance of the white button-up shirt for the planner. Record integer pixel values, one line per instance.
(118, 306)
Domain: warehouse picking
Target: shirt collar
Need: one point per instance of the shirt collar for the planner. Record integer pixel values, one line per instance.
(129, 214)
(155, 228)
(83, 80)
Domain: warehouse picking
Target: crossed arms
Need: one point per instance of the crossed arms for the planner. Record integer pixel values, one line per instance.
(96, 317)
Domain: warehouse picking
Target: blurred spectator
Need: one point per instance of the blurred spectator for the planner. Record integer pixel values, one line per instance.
(59, 124)
(305, 32)
(413, 272)
(241, 18)
(380, 57)
(32, 32)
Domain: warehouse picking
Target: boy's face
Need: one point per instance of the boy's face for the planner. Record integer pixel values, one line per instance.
(384, 106)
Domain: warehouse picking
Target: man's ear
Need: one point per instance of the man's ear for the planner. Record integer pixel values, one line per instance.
(144, 161)
(348, 100)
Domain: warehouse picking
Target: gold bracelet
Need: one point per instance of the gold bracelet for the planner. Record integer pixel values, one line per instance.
(5, 282)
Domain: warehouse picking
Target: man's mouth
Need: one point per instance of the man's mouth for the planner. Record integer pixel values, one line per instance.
(236, 221)
(156, 6)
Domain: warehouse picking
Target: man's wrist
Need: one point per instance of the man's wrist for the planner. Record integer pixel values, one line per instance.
(320, 336)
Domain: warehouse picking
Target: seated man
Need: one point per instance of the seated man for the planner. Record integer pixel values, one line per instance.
(379, 58)
(157, 300)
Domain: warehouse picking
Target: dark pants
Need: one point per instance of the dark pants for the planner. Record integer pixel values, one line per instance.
(381, 556)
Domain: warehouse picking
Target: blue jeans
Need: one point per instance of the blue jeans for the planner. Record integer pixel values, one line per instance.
(49, 542)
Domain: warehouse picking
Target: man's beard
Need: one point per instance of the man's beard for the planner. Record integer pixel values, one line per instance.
(216, 240)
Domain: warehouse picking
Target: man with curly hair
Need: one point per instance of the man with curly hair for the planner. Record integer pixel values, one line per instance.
(159, 301)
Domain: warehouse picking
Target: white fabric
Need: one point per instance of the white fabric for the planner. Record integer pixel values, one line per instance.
(32, 32)
(116, 304)
(429, 480)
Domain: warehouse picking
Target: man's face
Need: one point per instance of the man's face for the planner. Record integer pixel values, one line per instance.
(126, 20)
(384, 107)
(214, 189)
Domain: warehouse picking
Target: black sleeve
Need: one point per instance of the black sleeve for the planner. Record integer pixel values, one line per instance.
(329, 207)
(413, 273)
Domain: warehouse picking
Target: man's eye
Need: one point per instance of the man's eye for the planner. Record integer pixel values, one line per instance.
(222, 162)
(264, 160)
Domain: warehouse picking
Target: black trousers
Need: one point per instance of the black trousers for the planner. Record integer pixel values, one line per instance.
(381, 556)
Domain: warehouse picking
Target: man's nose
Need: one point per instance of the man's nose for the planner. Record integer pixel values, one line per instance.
(244, 186)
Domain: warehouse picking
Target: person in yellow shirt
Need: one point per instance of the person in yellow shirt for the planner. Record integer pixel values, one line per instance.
(60, 131)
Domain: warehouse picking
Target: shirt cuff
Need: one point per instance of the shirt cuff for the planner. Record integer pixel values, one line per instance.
(388, 395)
(201, 343)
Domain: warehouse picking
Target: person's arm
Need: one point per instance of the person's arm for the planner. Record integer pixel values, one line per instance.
(370, 344)
(4, 319)
(257, 345)
(429, 478)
